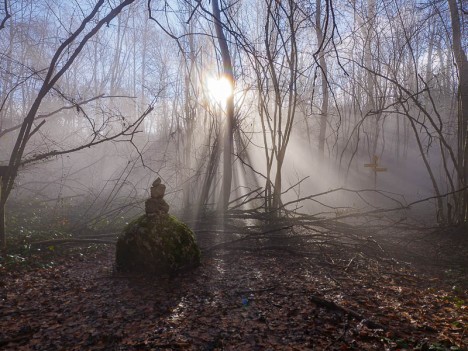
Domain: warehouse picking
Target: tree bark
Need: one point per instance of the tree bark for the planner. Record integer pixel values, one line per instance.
(228, 136)
(2, 226)
(462, 67)
(323, 75)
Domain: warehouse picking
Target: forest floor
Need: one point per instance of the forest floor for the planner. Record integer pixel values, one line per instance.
(240, 298)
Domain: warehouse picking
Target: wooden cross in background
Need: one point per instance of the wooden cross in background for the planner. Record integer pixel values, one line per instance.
(375, 167)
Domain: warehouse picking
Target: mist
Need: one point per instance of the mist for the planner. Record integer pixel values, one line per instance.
(85, 150)
(233, 175)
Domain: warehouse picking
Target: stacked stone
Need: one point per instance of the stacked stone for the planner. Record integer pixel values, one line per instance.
(156, 205)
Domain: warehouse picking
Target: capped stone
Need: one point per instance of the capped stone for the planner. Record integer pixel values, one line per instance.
(157, 192)
(157, 182)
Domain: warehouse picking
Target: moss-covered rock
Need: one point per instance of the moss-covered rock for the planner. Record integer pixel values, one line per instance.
(157, 244)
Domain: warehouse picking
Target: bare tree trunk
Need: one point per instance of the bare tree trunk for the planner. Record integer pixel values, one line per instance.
(430, 50)
(324, 73)
(440, 205)
(462, 66)
(190, 115)
(228, 136)
(211, 169)
(189, 125)
(2, 219)
(2, 228)
(370, 86)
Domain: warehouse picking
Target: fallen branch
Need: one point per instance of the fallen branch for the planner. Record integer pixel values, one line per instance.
(285, 249)
(44, 243)
(246, 237)
(99, 236)
(333, 306)
(244, 292)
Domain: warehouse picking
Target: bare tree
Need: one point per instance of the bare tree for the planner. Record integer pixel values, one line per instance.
(277, 78)
(61, 61)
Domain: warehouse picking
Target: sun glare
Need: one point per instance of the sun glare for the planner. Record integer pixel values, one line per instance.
(219, 89)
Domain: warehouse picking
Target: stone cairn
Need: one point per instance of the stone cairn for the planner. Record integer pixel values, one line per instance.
(156, 205)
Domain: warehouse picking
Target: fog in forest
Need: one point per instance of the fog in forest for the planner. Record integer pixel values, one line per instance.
(92, 111)
(233, 175)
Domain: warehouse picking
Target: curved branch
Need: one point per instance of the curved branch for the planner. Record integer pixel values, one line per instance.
(7, 15)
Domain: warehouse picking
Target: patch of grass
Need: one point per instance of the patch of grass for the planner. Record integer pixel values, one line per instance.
(20, 254)
(32, 220)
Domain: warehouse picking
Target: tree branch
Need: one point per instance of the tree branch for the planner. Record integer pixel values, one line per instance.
(76, 105)
(129, 131)
(7, 15)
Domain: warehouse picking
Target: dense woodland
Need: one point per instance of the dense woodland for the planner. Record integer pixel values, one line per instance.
(321, 133)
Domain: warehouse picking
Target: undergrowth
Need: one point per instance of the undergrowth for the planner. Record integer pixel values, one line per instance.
(32, 221)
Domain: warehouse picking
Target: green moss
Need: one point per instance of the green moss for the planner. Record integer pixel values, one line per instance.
(159, 244)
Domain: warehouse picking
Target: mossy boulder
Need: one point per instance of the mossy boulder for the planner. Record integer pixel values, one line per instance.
(157, 244)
